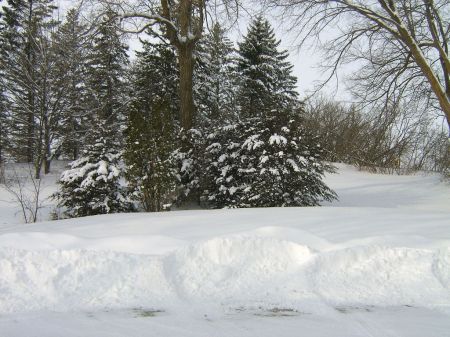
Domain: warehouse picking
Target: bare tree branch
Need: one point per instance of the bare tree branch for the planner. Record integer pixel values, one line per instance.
(412, 32)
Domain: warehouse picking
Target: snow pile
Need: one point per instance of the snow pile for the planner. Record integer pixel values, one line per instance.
(374, 263)
(225, 271)
(384, 276)
(135, 244)
(76, 279)
(235, 267)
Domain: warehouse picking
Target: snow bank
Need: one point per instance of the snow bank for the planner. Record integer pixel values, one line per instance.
(135, 244)
(384, 276)
(77, 279)
(225, 271)
(233, 268)
(386, 243)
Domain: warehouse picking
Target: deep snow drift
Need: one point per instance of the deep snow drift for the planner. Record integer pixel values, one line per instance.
(376, 263)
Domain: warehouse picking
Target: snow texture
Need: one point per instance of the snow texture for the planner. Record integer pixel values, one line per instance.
(376, 263)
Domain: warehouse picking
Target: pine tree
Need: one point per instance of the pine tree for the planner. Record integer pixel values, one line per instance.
(215, 79)
(265, 163)
(267, 158)
(107, 64)
(47, 98)
(26, 24)
(150, 134)
(70, 47)
(189, 158)
(93, 184)
(3, 97)
(267, 81)
(3, 122)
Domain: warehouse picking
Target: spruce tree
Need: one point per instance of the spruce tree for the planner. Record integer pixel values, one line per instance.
(266, 75)
(3, 121)
(70, 47)
(107, 65)
(151, 127)
(4, 125)
(189, 158)
(93, 184)
(215, 83)
(267, 158)
(265, 163)
(216, 79)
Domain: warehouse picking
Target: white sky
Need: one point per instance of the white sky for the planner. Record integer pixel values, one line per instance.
(306, 61)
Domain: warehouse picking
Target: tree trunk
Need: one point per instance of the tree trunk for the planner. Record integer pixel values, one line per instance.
(30, 62)
(1, 145)
(47, 165)
(47, 127)
(436, 87)
(186, 67)
(48, 154)
(30, 132)
(37, 168)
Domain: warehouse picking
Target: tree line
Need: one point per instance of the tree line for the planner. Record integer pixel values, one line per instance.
(193, 118)
(71, 92)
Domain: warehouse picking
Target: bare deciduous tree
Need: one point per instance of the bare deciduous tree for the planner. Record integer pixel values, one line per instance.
(182, 23)
(25, 192)
(392, 139)
(403, 44)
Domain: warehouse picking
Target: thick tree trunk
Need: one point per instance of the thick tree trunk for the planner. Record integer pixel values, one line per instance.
(436, 87)
(186, 67)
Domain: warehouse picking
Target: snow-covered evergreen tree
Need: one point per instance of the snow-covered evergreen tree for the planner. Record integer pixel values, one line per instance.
(266, 75)
(216, 79)
(267, 158)
(215, 89)
(107, 65)
(94, 183)
(150, 134)
(4, 123)
(26, 27)
(150, 170)
(265, 163)
(70, 45)
(189, 162)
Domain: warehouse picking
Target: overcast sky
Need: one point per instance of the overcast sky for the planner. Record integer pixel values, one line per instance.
(306, 60)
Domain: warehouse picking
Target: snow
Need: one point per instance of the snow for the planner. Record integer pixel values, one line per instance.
(102, 168)
(374, 263)
(252, 143)
(277, 139)
(10, 213)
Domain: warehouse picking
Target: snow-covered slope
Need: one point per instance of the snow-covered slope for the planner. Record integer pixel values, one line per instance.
(376, 263)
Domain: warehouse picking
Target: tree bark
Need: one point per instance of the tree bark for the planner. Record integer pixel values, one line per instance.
(186, 68)
(183, 22)
(436, 87)
(30, 62)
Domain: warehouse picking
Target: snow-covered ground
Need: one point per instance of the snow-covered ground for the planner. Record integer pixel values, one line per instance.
(10, 212)
(376, 263)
